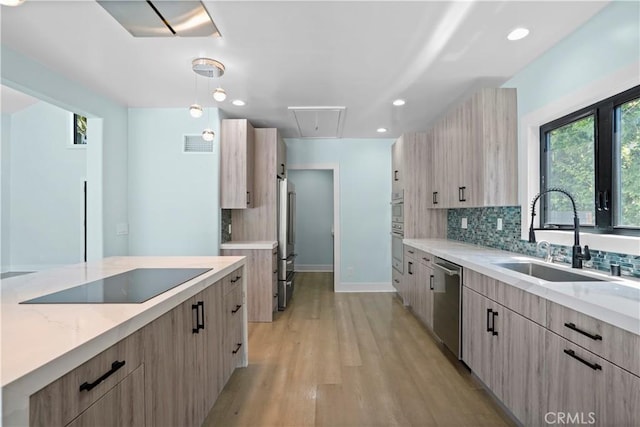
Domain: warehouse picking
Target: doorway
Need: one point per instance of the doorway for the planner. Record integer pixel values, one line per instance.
(317, 218)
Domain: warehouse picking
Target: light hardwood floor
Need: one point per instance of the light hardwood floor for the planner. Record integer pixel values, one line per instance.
(349, 360)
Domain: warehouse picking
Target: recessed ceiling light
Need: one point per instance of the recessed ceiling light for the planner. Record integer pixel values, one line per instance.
(11, 2)
(381, 130)
(399, 102)
(238, 103)
(518, 33)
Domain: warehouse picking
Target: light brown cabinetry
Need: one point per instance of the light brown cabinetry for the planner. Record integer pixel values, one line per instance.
(416, 286)
(281, 158)
(475, 152)
(236, 164)
(411, 163)
(68, 397)
(505, 350)
(424, 284)
(587, 388)
(262, 282)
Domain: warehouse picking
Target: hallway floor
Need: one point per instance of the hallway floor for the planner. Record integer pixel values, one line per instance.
(349, 360)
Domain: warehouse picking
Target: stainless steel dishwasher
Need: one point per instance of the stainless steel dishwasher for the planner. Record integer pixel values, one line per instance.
(446, 304)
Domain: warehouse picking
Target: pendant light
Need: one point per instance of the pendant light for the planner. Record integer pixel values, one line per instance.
(219, 94)
(208, 133)
(196, 109)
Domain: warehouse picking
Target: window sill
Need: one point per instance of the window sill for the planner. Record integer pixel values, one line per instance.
(602, 242)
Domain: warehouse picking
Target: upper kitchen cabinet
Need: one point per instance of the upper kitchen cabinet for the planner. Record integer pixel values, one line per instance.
(236, 164)
(396, 165)
(475, 152)
(281, 157)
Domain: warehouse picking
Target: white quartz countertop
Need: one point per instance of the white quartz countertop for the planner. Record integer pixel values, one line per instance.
(615, 301)
(249, 244)
(42, 342)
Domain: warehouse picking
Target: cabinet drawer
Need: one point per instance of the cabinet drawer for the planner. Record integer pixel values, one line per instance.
(68, 396)
(480, 283)
(274, 260)
(425, 258)
(410, 252)
(232, 281)
(607, 341)
(397, 279)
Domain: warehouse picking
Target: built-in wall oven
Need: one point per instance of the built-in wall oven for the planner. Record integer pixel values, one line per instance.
(397, 230)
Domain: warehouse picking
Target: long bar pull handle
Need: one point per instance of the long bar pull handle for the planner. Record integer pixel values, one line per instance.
(409, 265)
(114, 367)
(461, 196)
(573, 327)
(238, 307)
(248, 197)
(282, 168)
(489, 328)
(573, 354)
(435, 197)
(237, 348)
(201, 310)
(431, 282)
(395, 175)
(493, 326)
(196, 317)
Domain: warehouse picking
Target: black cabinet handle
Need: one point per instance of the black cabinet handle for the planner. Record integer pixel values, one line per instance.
(114, 367)
(461, 196)
(493, 325)
(409, 265)
(396, 280)
(275, 295)
(238, 307)
(431, 282)
(573, 354)
(201, 307)
(196, 324)
(248, 198)
(410, 251)
(489, 328)
(275, 271)
(237, 348)
(236, 279)
(435, 197)
(395, 175)
(282, 168)
(426, 259)
(573, 327)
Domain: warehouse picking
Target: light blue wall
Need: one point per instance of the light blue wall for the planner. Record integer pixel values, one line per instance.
(607, 42)
(365, 192)
(46, 189)
(173, 196)
(31, 77)
(5, 190)
(314, 217)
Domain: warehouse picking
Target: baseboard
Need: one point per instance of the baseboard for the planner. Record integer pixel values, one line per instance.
(314, 268)
(365, 287)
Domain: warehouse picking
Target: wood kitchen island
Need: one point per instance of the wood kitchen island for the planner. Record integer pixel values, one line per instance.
(159, 362)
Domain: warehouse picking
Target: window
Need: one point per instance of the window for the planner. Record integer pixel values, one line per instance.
(594, 154)
(79, 130)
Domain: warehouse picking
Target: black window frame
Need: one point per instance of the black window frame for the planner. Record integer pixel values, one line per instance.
(604, 166)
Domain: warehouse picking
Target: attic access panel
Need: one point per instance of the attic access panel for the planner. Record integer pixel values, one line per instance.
(162, 18)
(319, 122)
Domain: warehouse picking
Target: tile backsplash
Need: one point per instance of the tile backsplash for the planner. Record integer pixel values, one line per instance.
(481, 230)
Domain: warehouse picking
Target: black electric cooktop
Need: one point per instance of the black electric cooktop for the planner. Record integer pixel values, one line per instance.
(134, 286)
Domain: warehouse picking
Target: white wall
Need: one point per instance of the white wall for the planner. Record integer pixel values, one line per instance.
(5, 169)
(314, 219)
(174, 204)
(365, 214)
(46, 189)
(26, 75)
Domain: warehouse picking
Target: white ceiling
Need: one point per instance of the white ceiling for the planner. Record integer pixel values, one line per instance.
(12, 101)
(360, 55)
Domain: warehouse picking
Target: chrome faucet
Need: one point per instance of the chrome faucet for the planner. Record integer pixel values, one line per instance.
(547, 246)
(577, 253)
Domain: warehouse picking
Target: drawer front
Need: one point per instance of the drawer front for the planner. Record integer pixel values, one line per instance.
(397, 279)
(607, 341)
(68, 396)
(522, 302)
(410, 252)
(480, 283)
(231, 281)
(425, 258)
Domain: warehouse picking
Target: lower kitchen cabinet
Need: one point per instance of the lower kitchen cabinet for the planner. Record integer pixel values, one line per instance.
(169, 373)
(122, 406)
(506, 351)
(424, 291)
(583, 388)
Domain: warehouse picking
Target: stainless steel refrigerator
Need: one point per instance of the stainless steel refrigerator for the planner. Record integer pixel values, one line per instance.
(286, 241)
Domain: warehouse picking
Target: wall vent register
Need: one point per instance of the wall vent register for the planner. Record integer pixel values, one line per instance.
(131, 287)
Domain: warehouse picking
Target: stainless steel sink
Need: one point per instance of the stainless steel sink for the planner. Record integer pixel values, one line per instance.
(547, 273)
